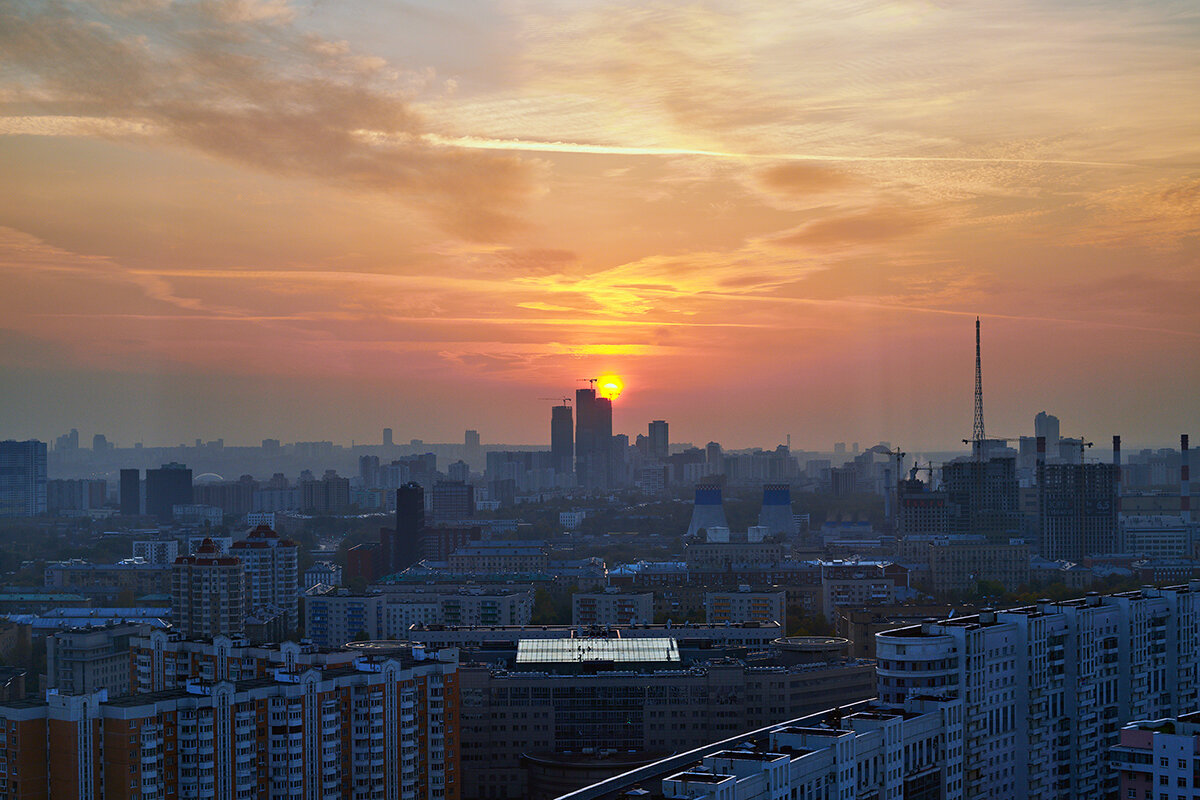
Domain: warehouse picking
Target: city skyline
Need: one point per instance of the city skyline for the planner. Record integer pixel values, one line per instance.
(249, 218)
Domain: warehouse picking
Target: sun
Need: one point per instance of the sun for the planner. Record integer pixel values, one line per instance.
(609, 386)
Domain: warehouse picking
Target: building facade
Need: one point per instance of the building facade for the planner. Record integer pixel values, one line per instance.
(270, 564)
(22, 478)
(208, 593)
(612, 608)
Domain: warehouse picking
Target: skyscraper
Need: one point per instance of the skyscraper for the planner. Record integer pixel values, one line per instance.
(472, 450)
(562, 439)
(1047, 425)
(593, 439)
(387, 437)
(659, 440)
(131, 492)
(170, 485)
(403, 546)
(22, 478)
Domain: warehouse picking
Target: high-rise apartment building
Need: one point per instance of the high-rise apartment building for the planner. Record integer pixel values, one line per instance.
(383, 726)
(22, 478)
(1047, 687)
(1046, 425)
(271, 568)
(208, 593)
(1077, 510)
(982, 497)
(168, 486)
(562, 439)
(593, 440)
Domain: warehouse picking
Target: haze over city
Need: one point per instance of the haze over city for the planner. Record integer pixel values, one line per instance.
(251, 218)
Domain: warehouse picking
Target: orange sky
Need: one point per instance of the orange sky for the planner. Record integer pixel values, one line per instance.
(252, 218)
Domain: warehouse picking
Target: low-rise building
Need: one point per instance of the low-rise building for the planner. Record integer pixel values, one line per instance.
(612, 607)
(157, 551)
(859, 582)
(750, 635)
(957, 567)
(325, 572)
(745, 605)
(86, 660)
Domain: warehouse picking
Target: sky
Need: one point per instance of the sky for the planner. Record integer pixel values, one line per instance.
(311, 220)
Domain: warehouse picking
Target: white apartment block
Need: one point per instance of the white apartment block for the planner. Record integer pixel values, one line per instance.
(1047, 687)
(271, 568)
(157, 551)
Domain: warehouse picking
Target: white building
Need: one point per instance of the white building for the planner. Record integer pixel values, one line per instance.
(157, 551)
(1046, 687)
(570, 520)
(1158, 536)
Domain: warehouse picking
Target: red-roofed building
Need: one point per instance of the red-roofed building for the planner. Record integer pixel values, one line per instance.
(270, 563)
(208, 593)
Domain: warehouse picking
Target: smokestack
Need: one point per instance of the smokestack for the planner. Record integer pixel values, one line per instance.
(1185, 487)
(1117, 470)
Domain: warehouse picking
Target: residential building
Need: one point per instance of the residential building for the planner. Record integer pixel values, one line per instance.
(858, 582)
(383, 726)
(1159, 758)
(501, 557)
(745, 605)
(1158, 536)
(402, 546)
(1077, 510)
(22, 478)
(75, 495)
(109, 583)
(453, 501)
(208, 593)
(270, 564)
(562, 439)
(612, 607)
(982, 497)
(593, 440)
(157, 551)
(329, 495)
(131, 493)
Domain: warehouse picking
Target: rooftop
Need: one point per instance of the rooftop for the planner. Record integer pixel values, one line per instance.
(639, 651)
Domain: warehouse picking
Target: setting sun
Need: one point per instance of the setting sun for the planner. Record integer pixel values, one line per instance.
(609, 386)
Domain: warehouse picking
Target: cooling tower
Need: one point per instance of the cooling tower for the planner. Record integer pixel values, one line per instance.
(776, 515)
(707, 511)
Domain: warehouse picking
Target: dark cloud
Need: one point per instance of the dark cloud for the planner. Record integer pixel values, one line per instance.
(236, 79)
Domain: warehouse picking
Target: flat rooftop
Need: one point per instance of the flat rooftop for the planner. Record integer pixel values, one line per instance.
(566, 651)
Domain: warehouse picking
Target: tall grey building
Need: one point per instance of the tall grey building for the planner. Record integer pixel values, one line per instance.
(593, 440)
(562, 439)
(1077, 510)
(22, 478)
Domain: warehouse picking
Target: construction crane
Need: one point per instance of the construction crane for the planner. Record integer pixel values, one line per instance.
(899, 455)
(565, 400)
(1081, 443)
(591, 381)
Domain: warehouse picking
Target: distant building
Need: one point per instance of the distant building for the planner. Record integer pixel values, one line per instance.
(402, 546)
(323, 572)
(612, 608)
(562, 439)
(1077, 510)
(453, 501)
(745, 606)
(22, 478)
(79, 494)
(957, 566)
(861, 583)
(131, 492)
(660, 440)
(329, 495)
(593, 440)
(570, 520)
(982, 497)
(197, 514)
(167, 487)
(208, 593)
(157, 551)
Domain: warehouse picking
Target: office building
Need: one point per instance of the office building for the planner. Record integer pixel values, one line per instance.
(75, 494)
(166, 487)
(472, 450)
(403, 546)
(612, 607)
(956, 567)
(453, 501)
(563, 704)
(562, 439)
(131, 493)
(859, 582)
(329, 495)
(1046, 426)
(383, 726)
(22, 478)
(660, 440)
(1077, 510)
(208, 593)
(270, 565)
(593, 440)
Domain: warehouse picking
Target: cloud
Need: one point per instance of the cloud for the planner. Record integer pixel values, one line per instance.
(802, 179)
(868, 227)
(237, 79)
